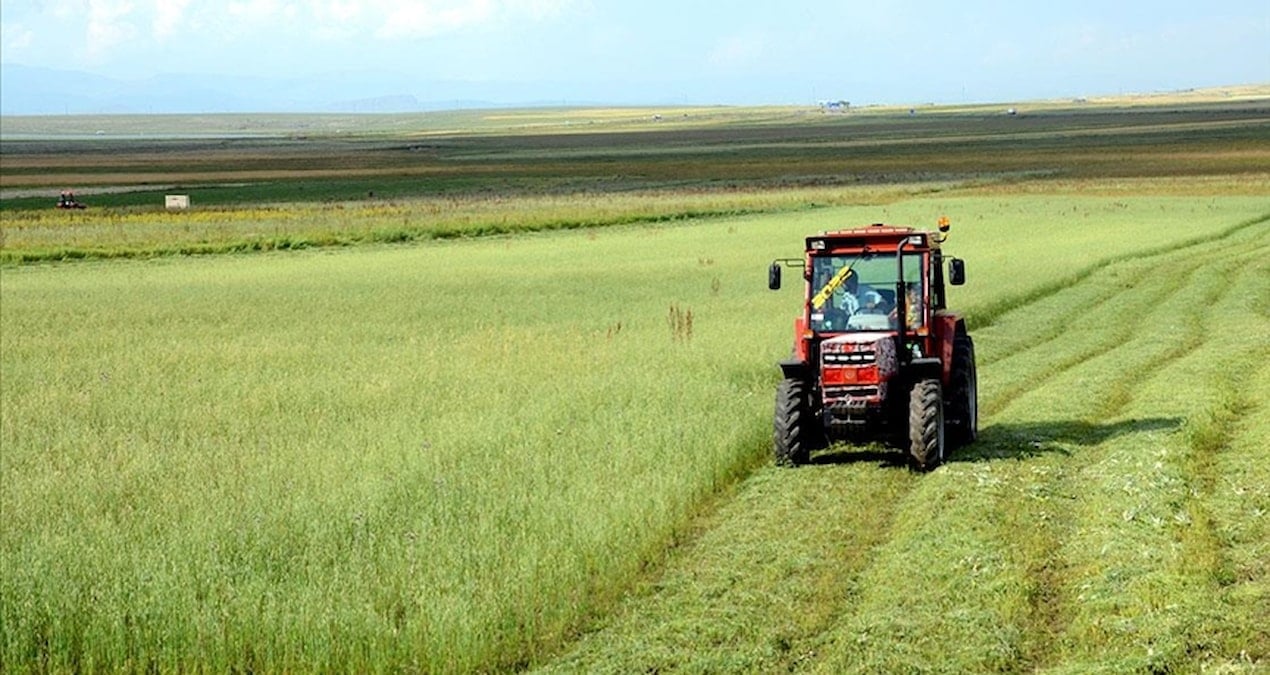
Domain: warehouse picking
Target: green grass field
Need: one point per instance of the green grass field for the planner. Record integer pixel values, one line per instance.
(1102, 522)
(550, 449)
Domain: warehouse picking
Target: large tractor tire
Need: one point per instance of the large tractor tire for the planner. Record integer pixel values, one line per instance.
(926, 425)
(797, 431)
(963, 394)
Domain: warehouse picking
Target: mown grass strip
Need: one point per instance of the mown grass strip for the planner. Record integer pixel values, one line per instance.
(1158, 637)
(1232, 498)
(1219, 514)
(1173, 333)
(1086, 323)
(985, 316)
(761, 581)
(1144, 562)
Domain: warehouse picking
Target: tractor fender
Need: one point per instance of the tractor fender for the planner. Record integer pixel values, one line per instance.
(796, 369)
(947, 328)
(929, 368)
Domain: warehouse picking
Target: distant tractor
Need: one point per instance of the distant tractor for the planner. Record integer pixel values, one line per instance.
(67, 200)
(877, 356)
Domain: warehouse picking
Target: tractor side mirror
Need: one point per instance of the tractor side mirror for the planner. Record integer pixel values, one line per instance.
(774, 276)
(956, 271)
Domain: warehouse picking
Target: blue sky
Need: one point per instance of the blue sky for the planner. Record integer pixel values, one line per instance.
(665, 51)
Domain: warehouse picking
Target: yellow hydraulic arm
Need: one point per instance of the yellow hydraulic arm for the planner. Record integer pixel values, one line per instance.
(823, 296)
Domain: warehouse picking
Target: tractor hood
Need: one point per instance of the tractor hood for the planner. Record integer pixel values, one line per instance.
(863, 338)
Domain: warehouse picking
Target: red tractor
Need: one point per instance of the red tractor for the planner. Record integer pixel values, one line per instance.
(877, 356)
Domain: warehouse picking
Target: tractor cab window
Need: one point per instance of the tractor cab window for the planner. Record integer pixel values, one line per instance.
(857, 292)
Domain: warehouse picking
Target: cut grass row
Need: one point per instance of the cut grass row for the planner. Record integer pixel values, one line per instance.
(765, 572)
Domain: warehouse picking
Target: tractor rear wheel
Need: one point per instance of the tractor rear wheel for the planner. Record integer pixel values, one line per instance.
(963, 399)
(796, 428)
(926, 425)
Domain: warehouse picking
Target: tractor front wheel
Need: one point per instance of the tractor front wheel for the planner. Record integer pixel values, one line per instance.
(796, 426)
(926, 425)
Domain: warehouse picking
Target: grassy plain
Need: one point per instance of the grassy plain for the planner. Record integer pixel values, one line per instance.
(465, 455)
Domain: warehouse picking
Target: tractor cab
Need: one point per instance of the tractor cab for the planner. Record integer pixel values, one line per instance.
(857, 290)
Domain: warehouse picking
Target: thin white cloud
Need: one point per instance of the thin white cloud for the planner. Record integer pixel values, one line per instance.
(168, 16)
(1007, 47)
(340, 12)
(106, 26)
(429, 18)
(15, 38)
(65, 9)
(109, 25)
(260, 11)
(541, 9)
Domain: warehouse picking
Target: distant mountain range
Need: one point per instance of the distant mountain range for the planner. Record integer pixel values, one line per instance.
(26, 90)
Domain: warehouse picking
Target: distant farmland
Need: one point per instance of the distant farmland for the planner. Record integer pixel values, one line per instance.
(357, 432)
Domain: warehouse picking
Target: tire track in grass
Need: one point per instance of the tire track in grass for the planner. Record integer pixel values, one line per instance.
(1232, 474)
(1084, 340)
(939, 595)
(1044, 518)
(1230, 445)
(1050, 323)
(1046, 526)
(768, 570)
(1236, 629)
(1090, 323)
(1217, 278)
(1142, 597)
(1206, 494)
(1056, 362)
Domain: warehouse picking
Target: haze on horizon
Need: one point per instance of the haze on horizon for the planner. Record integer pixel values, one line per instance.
(649, 52)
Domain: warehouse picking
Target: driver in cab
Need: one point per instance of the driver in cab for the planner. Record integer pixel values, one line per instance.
(850, 299)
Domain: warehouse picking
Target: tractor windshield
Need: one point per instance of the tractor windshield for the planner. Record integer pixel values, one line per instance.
(857, 293)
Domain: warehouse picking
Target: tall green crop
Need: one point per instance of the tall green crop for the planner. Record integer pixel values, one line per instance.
(435, 457)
